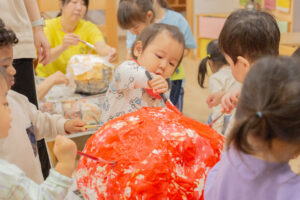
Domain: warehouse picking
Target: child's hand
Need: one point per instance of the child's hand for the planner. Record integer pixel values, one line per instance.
(59, 78)
(158, 84)
(74, 126)
(230, 101)
(214, 99)
(112, 55)
(65, 151)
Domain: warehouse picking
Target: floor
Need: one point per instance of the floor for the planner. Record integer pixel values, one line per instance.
(194, 105)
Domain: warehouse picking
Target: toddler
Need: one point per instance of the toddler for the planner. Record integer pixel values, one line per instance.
(127, 91)
(221, 81)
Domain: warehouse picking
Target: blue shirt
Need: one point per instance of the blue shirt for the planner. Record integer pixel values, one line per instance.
(241, 176)
(175, 19)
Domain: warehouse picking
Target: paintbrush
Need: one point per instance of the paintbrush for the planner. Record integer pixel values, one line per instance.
(96, 158)
(216, 119)
(167, 101)
(88, 44)
(92, 126)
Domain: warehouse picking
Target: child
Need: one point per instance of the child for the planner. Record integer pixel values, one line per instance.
(13, 182)
(152, 52)
(156, 11)
(28, 124)
(221, 81)
(245, 37)
(266, 135)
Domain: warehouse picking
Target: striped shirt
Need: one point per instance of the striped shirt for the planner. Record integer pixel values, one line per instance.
(15, 185)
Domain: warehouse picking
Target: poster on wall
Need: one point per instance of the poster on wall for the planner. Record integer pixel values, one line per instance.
(244, 2)
(270, 4)
(283, 5)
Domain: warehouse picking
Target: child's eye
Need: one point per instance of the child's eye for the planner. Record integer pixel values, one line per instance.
(158, 56)
(6, 104)
(172, 64)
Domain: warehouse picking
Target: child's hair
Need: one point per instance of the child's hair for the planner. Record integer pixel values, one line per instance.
(296, 54)
(251, 34)
(132, 11)
(269, 104)
(215, 55)
(151, 31)
(7, 37)
(163, 4)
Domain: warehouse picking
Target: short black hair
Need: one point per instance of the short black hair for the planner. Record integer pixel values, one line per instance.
(250, 34)
(7, 36)
(132, 11)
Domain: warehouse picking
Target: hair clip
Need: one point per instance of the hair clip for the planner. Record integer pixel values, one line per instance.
(259, 114)
(208, 56)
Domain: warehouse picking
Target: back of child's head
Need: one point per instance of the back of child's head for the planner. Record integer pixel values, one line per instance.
(269, 105)
(163, 3)
(215, 56)
(251, 34)
(133, 11)
(7, 37)
(151, 31)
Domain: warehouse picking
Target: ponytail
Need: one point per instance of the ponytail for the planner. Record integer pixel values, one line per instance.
(202, 71)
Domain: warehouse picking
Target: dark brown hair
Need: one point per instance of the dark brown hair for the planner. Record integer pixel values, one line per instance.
(163, 4)
(133, 11)
(63, 2)
(151, 31)
(297, 53)
(269, 104)
(215, 55)
(251, 34)
(7, 37)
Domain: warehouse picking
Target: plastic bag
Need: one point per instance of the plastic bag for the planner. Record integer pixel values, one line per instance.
(90, 73)
(159, 155)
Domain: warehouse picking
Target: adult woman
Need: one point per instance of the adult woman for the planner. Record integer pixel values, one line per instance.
(66, 33)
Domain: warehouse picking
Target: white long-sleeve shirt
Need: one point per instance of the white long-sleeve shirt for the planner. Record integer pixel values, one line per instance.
(222, 80)
(28, 125)
(126, 92)
(15, 185)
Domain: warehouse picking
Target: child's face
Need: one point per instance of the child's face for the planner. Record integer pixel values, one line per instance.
(161, 56)
(4, 110)
(6, 59)
(240, 68)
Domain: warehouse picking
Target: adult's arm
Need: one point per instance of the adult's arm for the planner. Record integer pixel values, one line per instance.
(40, 40)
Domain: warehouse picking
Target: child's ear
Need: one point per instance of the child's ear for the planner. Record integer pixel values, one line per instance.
(149, 16)
(244, 66)
(138, 48)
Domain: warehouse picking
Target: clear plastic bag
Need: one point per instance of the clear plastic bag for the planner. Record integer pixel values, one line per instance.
(90, 73)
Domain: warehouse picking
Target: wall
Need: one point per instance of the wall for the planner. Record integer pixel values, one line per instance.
(296, 22)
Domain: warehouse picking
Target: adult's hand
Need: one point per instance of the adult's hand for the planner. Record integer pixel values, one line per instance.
(42, 45)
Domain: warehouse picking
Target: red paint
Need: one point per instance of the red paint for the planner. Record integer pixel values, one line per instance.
(149, 145)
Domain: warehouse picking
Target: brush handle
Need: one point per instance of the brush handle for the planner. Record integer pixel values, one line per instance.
(162, 95)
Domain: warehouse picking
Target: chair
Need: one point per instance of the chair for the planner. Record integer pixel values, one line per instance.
(109, 29)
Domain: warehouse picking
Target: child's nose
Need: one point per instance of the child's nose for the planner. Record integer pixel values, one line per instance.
(11, 70)
(163, 64)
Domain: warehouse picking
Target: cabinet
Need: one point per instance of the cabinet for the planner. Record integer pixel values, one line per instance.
(210, 25)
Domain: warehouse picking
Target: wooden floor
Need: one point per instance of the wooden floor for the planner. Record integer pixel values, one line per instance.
(194, 105)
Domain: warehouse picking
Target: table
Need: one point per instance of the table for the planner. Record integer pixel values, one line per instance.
(62, 100)
(290, 39)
